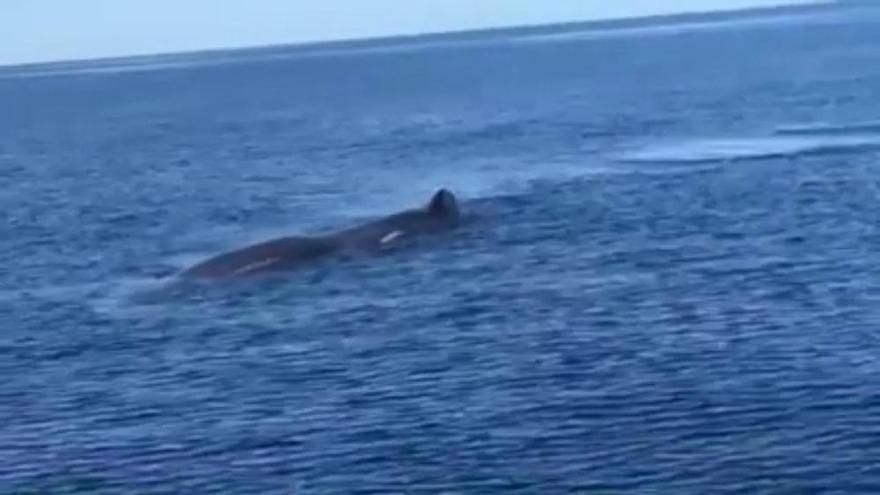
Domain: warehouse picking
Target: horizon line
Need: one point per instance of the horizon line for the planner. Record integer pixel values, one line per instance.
(317, 44)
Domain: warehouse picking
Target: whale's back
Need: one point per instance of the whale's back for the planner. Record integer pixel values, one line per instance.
(274, 255)
(441, 213)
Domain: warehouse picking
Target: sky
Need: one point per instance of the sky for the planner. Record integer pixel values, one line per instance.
(52, 30)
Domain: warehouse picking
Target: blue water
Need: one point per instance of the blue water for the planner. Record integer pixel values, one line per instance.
(670, 283)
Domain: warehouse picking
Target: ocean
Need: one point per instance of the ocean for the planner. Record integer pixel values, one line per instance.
(670, 282)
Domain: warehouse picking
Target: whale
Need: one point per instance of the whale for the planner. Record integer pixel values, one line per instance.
(286, 254)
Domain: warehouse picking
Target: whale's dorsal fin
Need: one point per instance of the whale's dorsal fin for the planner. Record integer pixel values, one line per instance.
(443, 203)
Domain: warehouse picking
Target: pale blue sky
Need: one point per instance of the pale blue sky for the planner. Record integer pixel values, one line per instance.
(44, 30)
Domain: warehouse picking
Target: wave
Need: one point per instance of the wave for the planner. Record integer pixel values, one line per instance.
(730, 150)
(671, 28)
(870, 126)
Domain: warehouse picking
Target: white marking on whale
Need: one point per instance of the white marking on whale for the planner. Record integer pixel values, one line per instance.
(391, 236)
(256, 266)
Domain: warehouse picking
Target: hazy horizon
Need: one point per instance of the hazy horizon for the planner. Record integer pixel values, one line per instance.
(53, 31)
